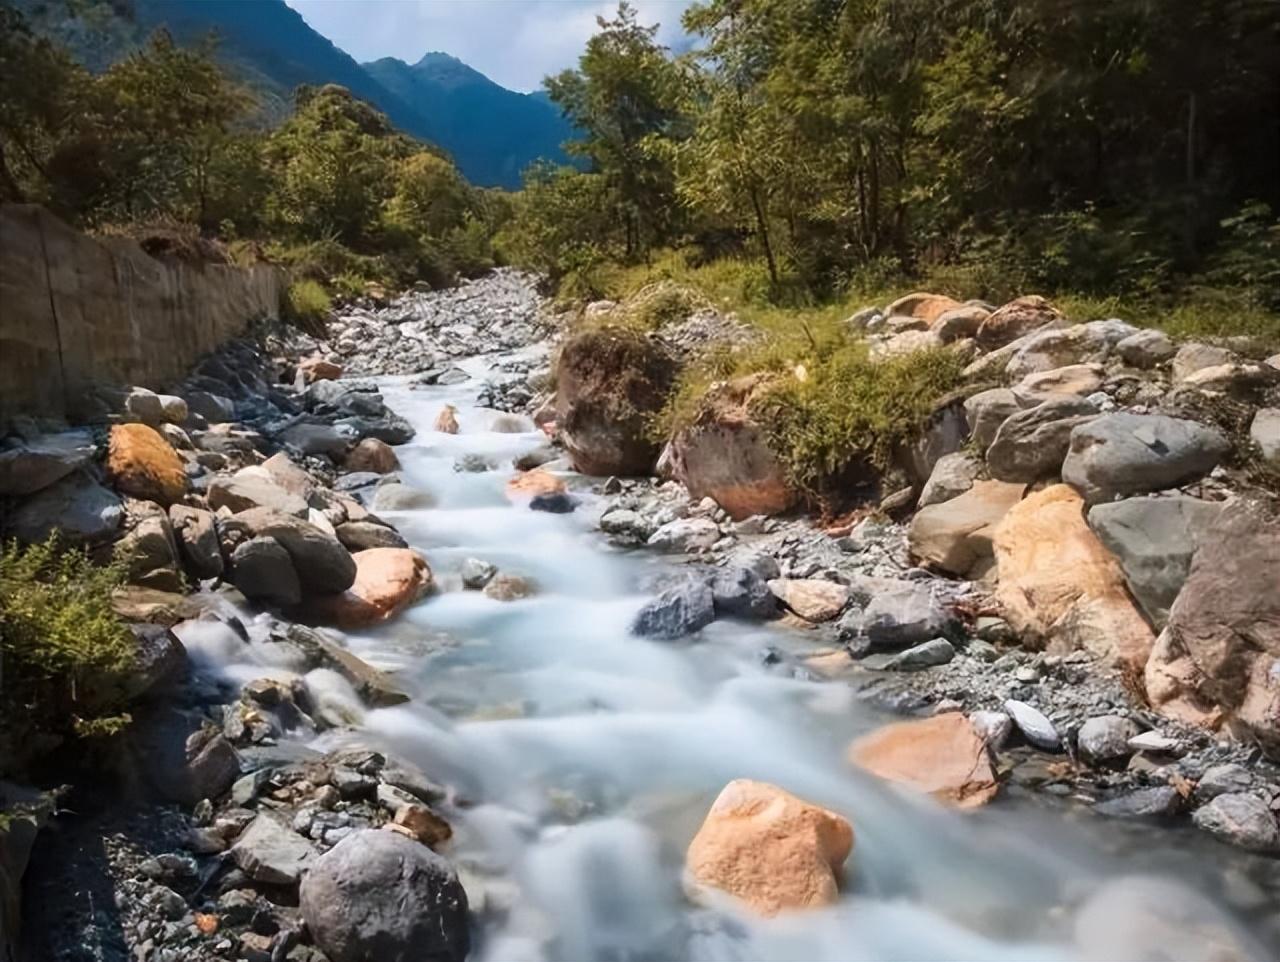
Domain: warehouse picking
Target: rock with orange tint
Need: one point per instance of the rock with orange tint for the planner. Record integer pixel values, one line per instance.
(1060, 587)
(530, 484)
(1020, 316)
(388, 580)
(447, 420)
(372, 455)
(927, 307)
(942, 756)
(724, 455)
(813, 599)
(142, 464)
(319, 369)
(770, 849)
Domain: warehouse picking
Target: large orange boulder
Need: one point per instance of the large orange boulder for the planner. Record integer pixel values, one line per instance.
(770, 849)
(927, 307)
(530, 484)
(1060, 587)
(316, 368)
(388, 580)
(940, 756)
(142, 464)
(372, 455)
(1018, 317)
(724, 455)
(955, 535)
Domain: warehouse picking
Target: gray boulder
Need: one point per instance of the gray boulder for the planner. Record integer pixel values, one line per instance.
(1222, 780)
(316, 439)
(1035, 727)
(378, 895)
(143, 405)
(401, 497)
(263, 571)
(741, 593)
(31, 466)
(898, 614)
(937, 651)
(1105, 738)
(78, 508)
(1197, 357)
(160, 662)
(685, 535)
(251, 488)
(323, 565)
(476, 573)
(214, 408)
(151, 555)
(1146, 349)
(182, 758)
(1155, 802)
(680, 610)
(359, 535)
(390, 428)
(1239, 819)
(986, 411)
(952, 476)
(269, 852)
(197, 539)
(1032, 444)
(1154, 540)
(1122, 454)
(553, 502)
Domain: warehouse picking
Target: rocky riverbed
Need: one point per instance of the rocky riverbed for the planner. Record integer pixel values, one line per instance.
(419, 638)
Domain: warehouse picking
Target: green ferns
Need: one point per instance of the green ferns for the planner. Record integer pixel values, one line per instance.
(65, 657)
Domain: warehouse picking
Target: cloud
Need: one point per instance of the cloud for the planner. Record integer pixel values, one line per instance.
(514, 42)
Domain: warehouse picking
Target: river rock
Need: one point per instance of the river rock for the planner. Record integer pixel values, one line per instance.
(32, 465)
(319, 440)
(1060, 588)
(986, 411)
(1154, 539)
(214, 408)
(322, 563)
(956, 535)
(317, 368)
(1035, 727)
(943, 756)
(160, 662)
(1123, 454)
(143, 405)
(373, 685)
(928, 654)
(1015, 319)
(952, 476)
(1146, 348)
(360, 535)
(678, 611)
(150, 555)
(401, 497)
(263, 571)
(993, 727)
(959, 322)
(476, 574)
(447, 420)
(609, 384)
(1075, 380)
(269, 852)
(898, 614)
(253, 488)
(1033, 443)
(724, 454)
(1264, 431)
(686, 535)
(387, 581)
(1077, 344)
(1194, 357)
(773, 851)
(372, 455)
(197, 539)
(389, 428)
(1239, 819)
(1155, 802)
(142, 464)
(739, 592)
(1222, 780)
(183, 758)
(378, 895)
(530, 484)
(558, 503)
(78, 508)
(1105, 738)
(813, 599)
(506, 587)
(1218, 658)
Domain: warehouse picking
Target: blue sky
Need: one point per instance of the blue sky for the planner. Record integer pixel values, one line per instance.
(514, 42)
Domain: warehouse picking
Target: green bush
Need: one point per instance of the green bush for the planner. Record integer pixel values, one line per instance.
(65, 657)
(307, 303)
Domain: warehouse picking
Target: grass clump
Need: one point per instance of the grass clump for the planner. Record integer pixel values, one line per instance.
(307, 305)
(65, 657)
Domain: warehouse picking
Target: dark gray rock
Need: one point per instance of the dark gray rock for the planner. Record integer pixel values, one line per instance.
(377, 895)
(323, 565)
(680, 610)
(356, 480)
(898, 614)
(1032, 444)
(78, 508)
(1223, 780)
(554, 502)
(476, 574)
(160, 662)
(181, 756)
(473, 464)
(267, 851)
(1239, 819)
(741, 593)
(316, 439)
(213, 408)
(390, 428)
(30, 466)
(1122, 454)
(1156, 802)
(263, 571)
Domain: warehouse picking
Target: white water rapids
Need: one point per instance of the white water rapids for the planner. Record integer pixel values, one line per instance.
(585, 758)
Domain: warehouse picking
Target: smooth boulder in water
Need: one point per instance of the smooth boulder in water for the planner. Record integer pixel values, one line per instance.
(680, 610)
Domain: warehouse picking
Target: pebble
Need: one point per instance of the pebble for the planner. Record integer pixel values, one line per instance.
(1035, 727)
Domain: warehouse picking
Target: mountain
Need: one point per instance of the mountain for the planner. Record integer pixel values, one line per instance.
(493, 133)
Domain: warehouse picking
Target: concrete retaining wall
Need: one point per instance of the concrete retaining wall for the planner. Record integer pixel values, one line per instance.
(77, 310)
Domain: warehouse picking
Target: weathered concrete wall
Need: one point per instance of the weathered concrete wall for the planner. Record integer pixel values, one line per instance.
(76, 310)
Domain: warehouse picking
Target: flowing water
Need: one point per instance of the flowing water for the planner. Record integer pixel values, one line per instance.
(584, 759)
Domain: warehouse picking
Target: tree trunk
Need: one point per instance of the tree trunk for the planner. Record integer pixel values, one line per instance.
(762, 227)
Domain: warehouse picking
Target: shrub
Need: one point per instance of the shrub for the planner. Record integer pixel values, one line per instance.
(65, 658)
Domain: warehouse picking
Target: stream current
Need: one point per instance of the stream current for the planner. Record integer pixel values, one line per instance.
(584, 759)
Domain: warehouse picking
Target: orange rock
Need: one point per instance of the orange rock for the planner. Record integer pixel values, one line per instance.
(388, 580)
(427, 827)
(813, 599)
(316, 368)
(1060, 587)
(1018, 317)
(141, 463)
(372, 455)
(942, 756)
(529, 484)
(207, 924)
(927, 307)
(770, 849)
(447, 420)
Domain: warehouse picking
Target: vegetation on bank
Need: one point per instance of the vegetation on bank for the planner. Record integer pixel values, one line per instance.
(65, 657)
